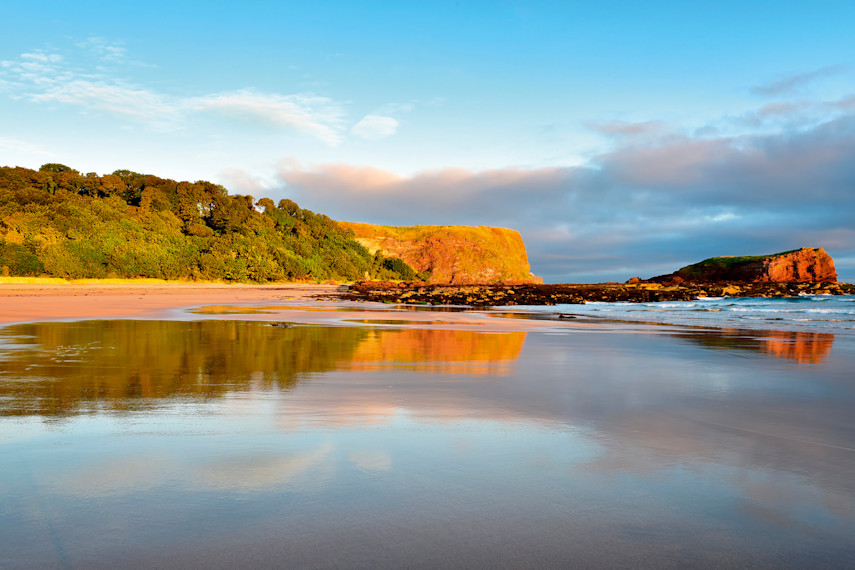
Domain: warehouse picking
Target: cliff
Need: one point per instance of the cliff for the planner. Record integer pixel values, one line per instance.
(805, 265)
(452, 254)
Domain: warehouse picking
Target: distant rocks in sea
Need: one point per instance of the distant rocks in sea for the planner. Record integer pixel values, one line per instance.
(805, 265)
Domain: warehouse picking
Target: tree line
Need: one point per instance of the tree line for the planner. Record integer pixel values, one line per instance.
(61, 223)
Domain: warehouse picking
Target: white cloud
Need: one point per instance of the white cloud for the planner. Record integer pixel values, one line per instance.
(117, 100)
(45, 77)
(319, 117)
(12, 146)
(242, 182)
(105, 49)
(375, 127)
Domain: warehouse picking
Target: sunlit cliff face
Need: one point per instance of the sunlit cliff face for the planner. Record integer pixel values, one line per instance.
(452, 254)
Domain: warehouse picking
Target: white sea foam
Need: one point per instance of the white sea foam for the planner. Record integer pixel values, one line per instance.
(820, 313)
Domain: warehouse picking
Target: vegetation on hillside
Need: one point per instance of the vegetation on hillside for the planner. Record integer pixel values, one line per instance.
(61, 223)
(726, 262)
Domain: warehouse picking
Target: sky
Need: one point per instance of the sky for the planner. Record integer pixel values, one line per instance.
(620, 139)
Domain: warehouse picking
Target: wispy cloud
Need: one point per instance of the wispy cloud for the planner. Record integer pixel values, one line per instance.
(33, 70)
(105, 49)
(624, 129)
(47, 77)
(794, 83)
(317, 116)
(115, 99)
(10, 145)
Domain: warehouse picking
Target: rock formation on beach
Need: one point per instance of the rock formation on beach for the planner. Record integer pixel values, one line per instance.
(805, 265)
(452, 254)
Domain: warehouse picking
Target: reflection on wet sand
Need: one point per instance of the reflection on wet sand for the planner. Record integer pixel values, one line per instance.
(803, 347)
(259, 309)
(242, 443)
(58, 368)
(439, 351)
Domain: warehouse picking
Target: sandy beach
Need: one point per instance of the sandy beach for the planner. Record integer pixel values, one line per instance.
(24, 302)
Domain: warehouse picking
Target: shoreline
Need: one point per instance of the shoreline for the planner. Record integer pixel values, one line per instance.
(323, 304)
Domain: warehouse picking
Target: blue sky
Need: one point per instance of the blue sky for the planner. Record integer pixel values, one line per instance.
(620, 138)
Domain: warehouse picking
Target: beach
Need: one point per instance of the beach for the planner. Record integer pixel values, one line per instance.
(220, 426)
(22, 302)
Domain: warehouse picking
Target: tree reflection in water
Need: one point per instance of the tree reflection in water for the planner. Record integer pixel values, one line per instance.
(53, 369)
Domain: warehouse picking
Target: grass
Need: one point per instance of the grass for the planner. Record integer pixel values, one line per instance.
(727, 261)
(696, 270)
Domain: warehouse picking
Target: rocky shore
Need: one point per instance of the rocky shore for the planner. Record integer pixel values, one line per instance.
(539, 294)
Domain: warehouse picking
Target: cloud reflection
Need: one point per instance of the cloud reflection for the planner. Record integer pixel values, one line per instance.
(233, 473)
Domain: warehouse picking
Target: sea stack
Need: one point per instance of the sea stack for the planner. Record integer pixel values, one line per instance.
(805, 265)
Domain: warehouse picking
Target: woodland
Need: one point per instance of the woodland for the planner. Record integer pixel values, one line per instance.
(58, 222)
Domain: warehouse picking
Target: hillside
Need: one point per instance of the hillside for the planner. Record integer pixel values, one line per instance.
(451, 254)
(61, 223)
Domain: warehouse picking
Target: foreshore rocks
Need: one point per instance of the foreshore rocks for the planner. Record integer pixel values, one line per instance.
(805, 265)
(540, 294)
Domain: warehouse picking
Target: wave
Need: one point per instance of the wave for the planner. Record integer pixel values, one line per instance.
(820, 313)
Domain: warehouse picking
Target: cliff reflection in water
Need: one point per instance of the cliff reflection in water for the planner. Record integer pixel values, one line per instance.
(803, 347)
(63, 368)
(440, 351)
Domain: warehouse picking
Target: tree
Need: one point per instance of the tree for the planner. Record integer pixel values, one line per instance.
(57, 167)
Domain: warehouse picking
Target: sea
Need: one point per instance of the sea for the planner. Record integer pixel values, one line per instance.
(833, 314)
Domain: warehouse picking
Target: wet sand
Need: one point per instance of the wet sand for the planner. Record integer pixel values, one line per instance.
(302, 303)
(51, 302)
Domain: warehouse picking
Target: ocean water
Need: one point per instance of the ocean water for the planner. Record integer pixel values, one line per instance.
(809, 313)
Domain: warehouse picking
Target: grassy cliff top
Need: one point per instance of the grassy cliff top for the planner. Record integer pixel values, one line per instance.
(408, 233)
(735, 260)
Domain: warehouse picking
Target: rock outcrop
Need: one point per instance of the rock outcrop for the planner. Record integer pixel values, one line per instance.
(571, 294)
(452, 254)
(805, 265)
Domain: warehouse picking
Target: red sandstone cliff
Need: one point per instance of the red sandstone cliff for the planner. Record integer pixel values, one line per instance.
(452, 254)
(797, 266)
